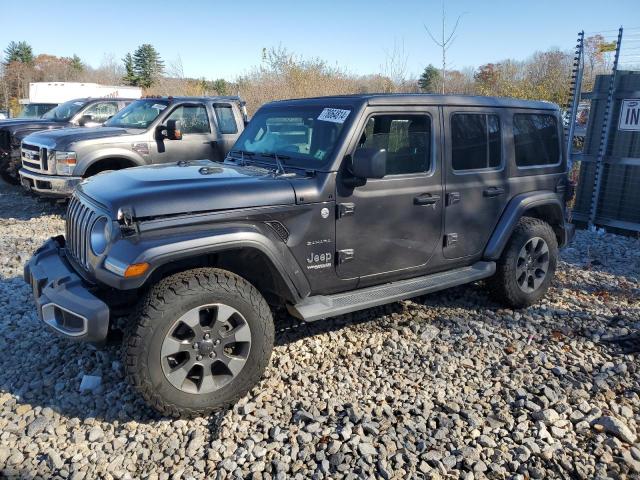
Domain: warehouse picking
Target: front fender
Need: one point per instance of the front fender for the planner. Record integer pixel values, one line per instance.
(99, 154)
(160, 250)
(516, 208)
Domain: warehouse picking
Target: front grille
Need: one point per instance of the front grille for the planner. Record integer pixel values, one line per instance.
(35, 157)
(80, 219)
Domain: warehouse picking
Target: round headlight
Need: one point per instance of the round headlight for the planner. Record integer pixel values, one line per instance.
(100, 235)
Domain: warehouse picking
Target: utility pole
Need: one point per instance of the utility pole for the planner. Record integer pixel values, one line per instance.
(445, 43)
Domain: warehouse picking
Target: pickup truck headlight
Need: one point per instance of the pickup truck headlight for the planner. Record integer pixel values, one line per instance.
(65, 162)
(100, 235)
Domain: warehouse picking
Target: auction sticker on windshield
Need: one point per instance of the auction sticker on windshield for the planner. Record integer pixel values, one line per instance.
(159, 106)
(334, 115)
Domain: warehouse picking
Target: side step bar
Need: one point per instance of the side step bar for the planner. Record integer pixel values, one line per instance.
(321, 306)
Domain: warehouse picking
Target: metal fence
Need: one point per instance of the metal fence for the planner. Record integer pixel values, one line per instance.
(608, 183)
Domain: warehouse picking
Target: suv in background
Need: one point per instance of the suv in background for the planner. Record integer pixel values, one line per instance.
(143, 133)
(82, 112)
(324, 206)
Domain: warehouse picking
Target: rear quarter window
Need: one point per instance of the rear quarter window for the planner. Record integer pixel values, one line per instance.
(536, 139)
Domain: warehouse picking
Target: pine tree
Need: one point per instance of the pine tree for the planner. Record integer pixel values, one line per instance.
(147, 64)
(76, 64)
(429, 79)
(130, 77)
(18, 52)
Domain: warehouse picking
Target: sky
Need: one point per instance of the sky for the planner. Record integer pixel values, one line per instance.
(224, 39)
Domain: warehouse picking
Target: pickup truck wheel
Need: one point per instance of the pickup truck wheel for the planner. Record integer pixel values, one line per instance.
(201, 340)
(527, 265)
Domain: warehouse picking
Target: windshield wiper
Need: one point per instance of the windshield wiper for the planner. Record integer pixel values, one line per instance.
(280, 166)
(242, 155)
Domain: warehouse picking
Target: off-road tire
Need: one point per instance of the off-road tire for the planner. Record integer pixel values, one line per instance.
(503, 285)
(155, 315)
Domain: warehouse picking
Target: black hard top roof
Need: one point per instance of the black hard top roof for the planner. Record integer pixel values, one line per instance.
(407, 99)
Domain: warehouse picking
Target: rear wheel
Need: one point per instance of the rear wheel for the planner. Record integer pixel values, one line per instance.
(201, 341)
(527, 265)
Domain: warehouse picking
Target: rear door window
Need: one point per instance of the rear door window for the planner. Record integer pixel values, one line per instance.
(226, 119)
(475, 140)
(536, 139)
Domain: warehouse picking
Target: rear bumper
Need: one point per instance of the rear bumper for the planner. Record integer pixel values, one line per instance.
(63, 300)
(48, 185)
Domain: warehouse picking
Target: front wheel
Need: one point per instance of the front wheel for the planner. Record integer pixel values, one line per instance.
(201, 340)
(527, 265)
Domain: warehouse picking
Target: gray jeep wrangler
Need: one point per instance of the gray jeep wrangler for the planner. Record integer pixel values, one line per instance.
(324, 206)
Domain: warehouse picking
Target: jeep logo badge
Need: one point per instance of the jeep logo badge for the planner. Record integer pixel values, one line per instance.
(324, 213)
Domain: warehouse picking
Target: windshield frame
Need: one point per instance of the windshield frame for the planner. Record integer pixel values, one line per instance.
(290, 159)
(50, 114)
(167, 103)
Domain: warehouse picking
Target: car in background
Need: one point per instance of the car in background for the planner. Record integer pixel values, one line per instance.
(81, 112)
(149, 131)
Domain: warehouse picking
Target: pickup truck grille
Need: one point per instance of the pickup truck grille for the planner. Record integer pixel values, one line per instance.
(80, 219)
(35, 157)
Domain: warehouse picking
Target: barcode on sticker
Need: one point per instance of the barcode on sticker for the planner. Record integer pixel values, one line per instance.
(334, 115)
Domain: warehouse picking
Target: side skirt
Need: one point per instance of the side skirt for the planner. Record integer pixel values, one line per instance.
(324, 306)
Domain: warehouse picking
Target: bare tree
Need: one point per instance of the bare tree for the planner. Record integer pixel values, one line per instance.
(395, 65)
(445, 43)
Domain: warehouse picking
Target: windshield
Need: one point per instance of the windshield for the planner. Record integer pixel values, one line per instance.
(139, 114)
(307, 132)
(35, 110)
(65, 110)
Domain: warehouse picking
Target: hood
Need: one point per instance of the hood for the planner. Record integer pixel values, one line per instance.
(176, 188)
(21, 127)
(66, 136)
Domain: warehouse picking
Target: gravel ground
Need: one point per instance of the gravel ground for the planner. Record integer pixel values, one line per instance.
(445, 386)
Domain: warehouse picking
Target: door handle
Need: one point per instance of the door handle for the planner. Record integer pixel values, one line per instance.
(493, 192)
(426, 199)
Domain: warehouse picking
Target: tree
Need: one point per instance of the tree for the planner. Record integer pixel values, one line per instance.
(428, 81)
(18, 52)
(147, 65)
(76, 64)
(220, 86)
(445, 43)
(130, 77)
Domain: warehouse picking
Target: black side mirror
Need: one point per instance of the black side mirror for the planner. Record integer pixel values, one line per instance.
(85, 120)
(369, 163)
(173, 130)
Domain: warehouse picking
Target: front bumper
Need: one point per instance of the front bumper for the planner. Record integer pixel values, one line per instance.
(48, 185)
(62, 298)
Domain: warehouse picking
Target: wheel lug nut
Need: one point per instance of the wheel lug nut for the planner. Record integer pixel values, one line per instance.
(212, 354)
(206, 336)
(195, 346)
(199, 357)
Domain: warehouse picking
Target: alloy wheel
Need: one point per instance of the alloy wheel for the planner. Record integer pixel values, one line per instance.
(532, 264)
(205, 348)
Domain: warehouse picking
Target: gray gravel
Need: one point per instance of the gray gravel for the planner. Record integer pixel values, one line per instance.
(445, 386)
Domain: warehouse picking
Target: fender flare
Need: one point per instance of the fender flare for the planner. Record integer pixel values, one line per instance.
(516, 208)
(164, 251)
(109, 153)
